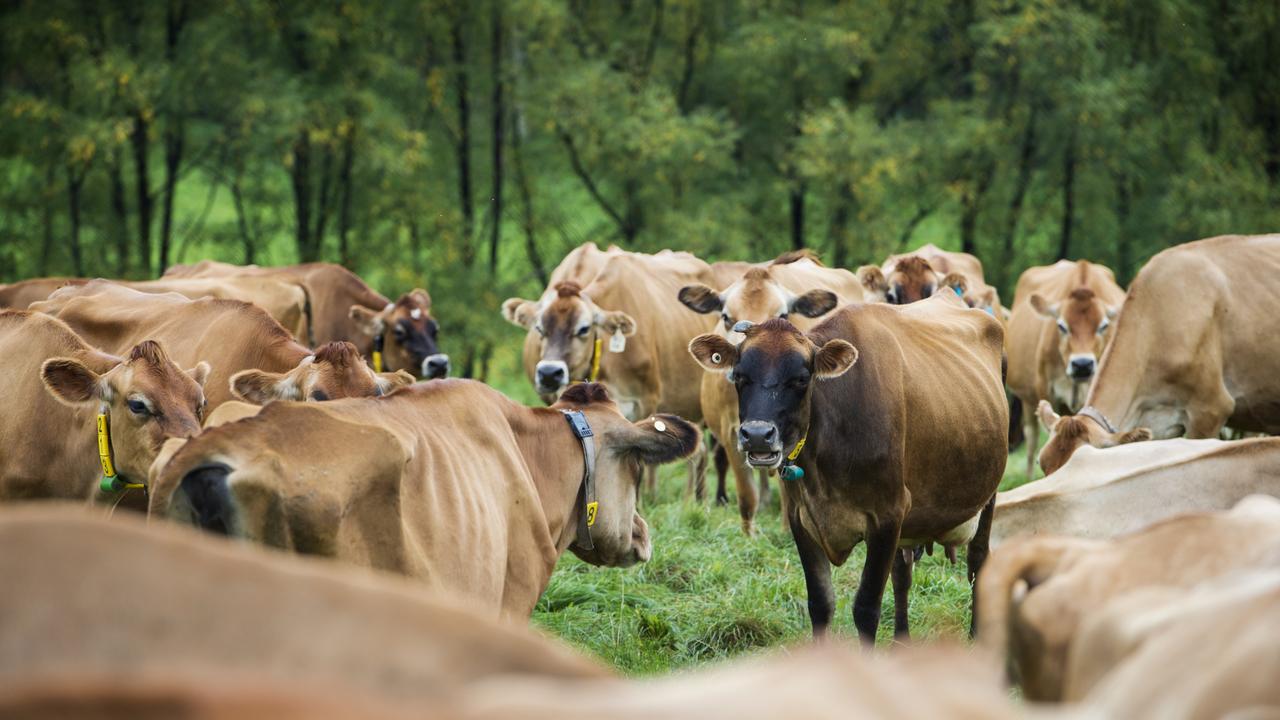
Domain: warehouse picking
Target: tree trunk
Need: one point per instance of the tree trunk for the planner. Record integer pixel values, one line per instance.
(972, 206)
(347, 189)
(464, 137)
(74, 185)
(1025, 156)
(174, 140)
(322, 204)
(839, 230)
(522, 179)
(499, 111)
(1123, 206)
(121, 211)
(301, 176)
(797, 215)
(247, 239)
(142, 188)
(1068, 196)
(46, 219)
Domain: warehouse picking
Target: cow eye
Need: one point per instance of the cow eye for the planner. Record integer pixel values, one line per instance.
(891, 297)
(433, 328)
(399, 332)
(798, 382)
(582, 331)
(1062, 327)
(1102, 327)
(137, 407)
(728, 322)
(541, 332)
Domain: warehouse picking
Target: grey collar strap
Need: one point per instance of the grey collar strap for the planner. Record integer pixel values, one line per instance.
(587, 504)
(1093, 414)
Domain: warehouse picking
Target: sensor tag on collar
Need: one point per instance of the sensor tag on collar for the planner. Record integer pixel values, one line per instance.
(792, 472)
(617, 342)
(578, 423)
(592, 507)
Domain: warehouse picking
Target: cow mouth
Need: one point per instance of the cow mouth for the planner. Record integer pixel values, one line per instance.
(765, 459)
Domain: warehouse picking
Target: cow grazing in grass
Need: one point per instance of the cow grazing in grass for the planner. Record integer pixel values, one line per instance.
(902, 449)
(1189, 353)
(449, 482)
(794, 287)
(55, 386)
(1061, 322)
(1037, 593)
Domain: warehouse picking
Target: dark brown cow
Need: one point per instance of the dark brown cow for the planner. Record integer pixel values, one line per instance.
(904, 449)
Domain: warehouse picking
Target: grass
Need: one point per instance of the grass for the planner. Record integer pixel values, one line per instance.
(711, 593)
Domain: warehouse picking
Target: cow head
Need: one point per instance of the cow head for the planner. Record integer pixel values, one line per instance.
(568, 326)
(335, 371)
(773, 371)
(623, 449)
(1082, 321)
(912, 279)
(148, 399)
(1069, 432)
(407, 333)
(755, 298)
(875, 286)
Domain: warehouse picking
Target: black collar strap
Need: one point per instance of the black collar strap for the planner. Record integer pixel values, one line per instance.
(587, 504)
(1093, 414)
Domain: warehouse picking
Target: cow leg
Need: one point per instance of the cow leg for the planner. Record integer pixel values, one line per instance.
(697, 464)
(722, 469)
(1206, 417)
(747, 500)
(979, 548)
(817, 578)
(762, 477)
(903, 566)
(882, 545)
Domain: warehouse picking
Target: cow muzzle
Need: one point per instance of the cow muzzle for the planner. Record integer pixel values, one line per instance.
(435, 366)
(761, 442)
(1081, 367)
(551, 376)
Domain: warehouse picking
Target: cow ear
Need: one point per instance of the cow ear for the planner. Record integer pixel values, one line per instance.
(70, 381)
(1047, 416)
(714, 352)
(389, 381)
(656, 440)
(1135, 435)
(700, 299)
(260, 388)
(873, 279)
(958, 283)
(834, 359)
(422, 297)
(617, 322)
(518, 312)
(814, 303)
(369, 321)
(200, 372)
(1042, 306)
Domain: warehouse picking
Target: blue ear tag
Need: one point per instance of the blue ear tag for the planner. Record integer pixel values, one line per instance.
(791, 472)
(959, 292)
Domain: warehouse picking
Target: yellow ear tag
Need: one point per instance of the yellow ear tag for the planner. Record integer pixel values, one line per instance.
(591, 513)
(799, 446)
(104, 447)
(377, 361)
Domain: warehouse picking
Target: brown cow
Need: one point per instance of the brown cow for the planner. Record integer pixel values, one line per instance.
(1036, 593)
(1060, 325)
(91, 601)
(916, 275)
(341, 307)
(48, 435)
(21, 294)
(231, 335)
(284, 301)
(904, 449)
(776, 290)
(448, 482)
(1185, 358)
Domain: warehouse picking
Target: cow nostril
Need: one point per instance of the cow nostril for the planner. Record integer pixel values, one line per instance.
(771, 434)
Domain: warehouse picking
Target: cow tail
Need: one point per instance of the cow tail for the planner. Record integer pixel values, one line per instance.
(1031, 562)
(209, 495)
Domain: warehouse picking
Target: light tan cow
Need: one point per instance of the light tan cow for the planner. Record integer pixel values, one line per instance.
(55, 385)
(1185, 358)
(1106, 493)
(21, 294)
(1059, 327)
(341, 307)
(910, 277)
(232, 336)
(89, 601)
(284, 301)
(1168, 653)
(794, 287)
(1036, 593)
(448, 482)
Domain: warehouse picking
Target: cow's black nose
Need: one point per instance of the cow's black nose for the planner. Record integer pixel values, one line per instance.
(1082, 367)
(436, 366)
(551, 376)
(758, 436)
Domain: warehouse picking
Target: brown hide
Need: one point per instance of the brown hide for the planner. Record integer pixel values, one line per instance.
(1185, 358)
(448, 482)
(284, 301)
(20, 295)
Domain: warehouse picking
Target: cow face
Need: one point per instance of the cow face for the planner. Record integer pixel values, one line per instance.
(408, 333)
(1069, 432)
(147, 397)
(773, 371)
(568, 327)
(755, 298)
(623, 449)
(912, 279)
(335, 371)
(1082, 322)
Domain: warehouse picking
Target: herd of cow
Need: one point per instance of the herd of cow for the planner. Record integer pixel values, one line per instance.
(1137, 579)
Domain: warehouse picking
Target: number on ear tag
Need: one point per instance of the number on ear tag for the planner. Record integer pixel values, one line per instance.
(592, 507)
(617, 342)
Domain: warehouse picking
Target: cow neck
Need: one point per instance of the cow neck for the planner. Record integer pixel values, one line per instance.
(1116, 386)
(554, 458)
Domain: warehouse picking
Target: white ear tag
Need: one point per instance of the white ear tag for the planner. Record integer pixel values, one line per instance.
(715, 358)
(617, 342)
(416, 314)
(659, 426)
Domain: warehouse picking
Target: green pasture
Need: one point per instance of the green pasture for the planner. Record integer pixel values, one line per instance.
(710, 593)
